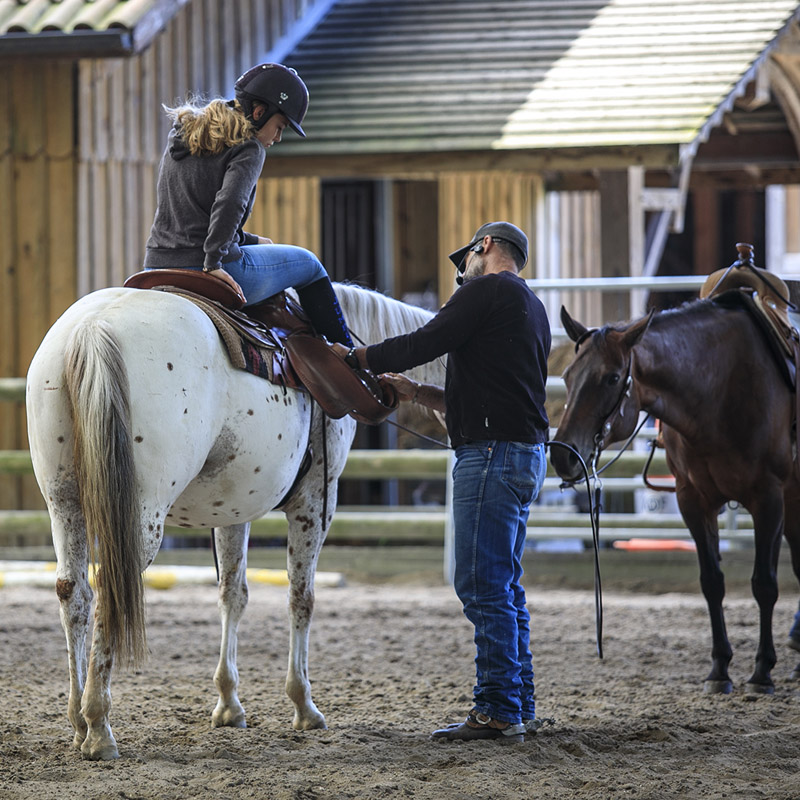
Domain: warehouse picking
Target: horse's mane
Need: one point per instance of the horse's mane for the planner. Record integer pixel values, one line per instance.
(373, 317)
(687, 308)
(690, 308)
(378, 316)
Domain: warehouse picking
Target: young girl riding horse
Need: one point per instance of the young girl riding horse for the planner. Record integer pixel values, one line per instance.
(206, 189)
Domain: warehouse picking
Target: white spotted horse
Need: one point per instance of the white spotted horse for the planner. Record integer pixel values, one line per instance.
(136, 419)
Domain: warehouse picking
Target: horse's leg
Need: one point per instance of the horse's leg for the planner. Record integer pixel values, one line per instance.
(307, 531)
(306, 534)
(100, 744)
(768, 524)
(231, 545)
(75, 599)
(792, 533)
(704, 529)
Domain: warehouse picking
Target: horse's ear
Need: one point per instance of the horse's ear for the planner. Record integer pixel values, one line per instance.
(575, 330)
(637, 329)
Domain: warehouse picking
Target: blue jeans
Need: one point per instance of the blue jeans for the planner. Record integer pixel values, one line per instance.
(266, 269)
(494, 484)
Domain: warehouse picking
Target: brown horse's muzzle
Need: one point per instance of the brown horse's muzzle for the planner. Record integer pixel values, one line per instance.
(565, 462)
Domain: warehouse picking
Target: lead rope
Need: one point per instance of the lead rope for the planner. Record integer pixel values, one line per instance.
(594, 509)
(593, 493)
(594, 517)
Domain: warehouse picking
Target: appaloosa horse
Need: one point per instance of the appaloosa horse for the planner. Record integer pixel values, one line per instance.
(136, 418)
(707, 373)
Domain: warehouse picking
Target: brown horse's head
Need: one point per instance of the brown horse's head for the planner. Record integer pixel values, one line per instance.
(601, 406)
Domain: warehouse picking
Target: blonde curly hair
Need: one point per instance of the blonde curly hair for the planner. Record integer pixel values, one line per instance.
(210, 128)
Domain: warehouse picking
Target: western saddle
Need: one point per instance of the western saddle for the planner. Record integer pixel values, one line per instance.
(277, 329)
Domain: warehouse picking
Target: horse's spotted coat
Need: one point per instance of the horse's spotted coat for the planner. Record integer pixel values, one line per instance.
(210, 449)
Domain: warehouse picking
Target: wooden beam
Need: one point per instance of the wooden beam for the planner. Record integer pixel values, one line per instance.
(706, 255)
(762, 148)
(784, 74)
(425, 165)
(753, 178)
(621, 234)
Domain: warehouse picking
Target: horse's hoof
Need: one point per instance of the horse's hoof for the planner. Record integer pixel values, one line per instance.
(224, 717)
(793, 643)
(717, 687)
(759, 688)
(795, 676)
(106, 753)
(239, 721)
(310, 723)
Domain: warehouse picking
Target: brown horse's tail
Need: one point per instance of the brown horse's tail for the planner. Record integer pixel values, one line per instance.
(97, 385)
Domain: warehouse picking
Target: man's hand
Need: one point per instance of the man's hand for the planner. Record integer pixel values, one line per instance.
(407, 390)
(424, 394)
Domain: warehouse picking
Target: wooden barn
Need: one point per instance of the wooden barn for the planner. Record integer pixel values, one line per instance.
(626, 137)
(81, 135)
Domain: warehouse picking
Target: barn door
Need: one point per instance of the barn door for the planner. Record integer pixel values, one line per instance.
(351, 241)
(349, 231)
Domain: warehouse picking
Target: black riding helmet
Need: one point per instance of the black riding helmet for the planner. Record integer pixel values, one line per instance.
(279, 88)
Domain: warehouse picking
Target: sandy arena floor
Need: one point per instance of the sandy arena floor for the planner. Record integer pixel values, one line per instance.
(389, 664)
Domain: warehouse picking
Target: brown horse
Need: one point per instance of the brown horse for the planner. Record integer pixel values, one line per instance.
(706, 371)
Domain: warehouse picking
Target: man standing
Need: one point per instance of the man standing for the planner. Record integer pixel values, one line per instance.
(497, 337)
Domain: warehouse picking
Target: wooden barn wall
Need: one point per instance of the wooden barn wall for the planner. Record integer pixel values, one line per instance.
(37, 230)
(78, 171)
(287, 210)
(415, 249)
(572, 236)
(123, 130)
(467, 200)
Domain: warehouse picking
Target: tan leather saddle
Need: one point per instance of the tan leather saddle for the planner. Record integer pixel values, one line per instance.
(770, 294)
(768, 298)
(294, 355)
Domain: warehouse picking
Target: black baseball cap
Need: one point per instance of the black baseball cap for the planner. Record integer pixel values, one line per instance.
(497, 230)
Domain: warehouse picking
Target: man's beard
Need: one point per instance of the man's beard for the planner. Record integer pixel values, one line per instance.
(475, 267)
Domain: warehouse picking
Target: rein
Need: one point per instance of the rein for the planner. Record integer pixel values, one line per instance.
(605, 429)
(594, 517)
(594, 501)
(396, 424)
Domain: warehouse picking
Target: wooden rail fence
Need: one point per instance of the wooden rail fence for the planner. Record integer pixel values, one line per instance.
(407, 524)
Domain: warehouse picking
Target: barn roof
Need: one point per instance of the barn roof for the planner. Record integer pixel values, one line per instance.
(82, 27)
(437, 76)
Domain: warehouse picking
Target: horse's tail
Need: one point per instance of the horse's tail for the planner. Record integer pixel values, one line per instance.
(97, 386)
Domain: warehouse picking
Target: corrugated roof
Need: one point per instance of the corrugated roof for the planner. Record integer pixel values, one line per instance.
(393, 76)
(53, 27)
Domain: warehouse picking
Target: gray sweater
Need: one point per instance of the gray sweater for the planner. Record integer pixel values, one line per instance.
(203, 203)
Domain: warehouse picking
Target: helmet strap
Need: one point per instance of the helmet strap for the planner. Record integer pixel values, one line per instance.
(269, 112)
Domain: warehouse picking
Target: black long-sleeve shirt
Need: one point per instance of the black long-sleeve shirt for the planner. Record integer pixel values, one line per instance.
(497, 337)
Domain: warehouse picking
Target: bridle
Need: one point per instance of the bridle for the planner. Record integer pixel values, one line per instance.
(606, 426)
(617, 411)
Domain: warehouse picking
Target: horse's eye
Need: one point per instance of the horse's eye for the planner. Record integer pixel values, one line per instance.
(612, 379)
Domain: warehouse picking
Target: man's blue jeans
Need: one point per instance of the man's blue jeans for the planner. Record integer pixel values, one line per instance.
(494, 484)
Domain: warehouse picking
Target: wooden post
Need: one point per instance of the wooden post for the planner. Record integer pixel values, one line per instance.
(707, 257)
(621, 235)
